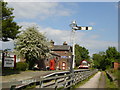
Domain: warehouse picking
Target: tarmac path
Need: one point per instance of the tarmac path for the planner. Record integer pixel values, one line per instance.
(93, 82)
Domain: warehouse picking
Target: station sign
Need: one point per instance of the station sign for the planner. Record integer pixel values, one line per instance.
(64, 56)
(9, 62)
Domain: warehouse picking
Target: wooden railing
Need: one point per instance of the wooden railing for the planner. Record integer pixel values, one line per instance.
(57, 80)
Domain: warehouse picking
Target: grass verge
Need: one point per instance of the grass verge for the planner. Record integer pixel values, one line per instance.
(109, 83)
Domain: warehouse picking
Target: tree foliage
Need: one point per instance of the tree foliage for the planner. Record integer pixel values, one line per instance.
(10, 29)
(81, 53)
(111, 52)
(99, 60)
(103, 60)
(32, 45)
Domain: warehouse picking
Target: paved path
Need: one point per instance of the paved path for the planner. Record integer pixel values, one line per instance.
(102, 82)
(93, 82)
(9, 80)
(24, 75)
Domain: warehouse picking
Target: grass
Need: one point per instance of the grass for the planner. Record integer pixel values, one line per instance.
(116, 74)
(109, 83)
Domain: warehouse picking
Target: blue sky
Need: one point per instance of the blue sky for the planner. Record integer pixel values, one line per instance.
(53, 19)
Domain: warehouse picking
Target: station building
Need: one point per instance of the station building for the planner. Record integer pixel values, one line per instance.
(63, 53)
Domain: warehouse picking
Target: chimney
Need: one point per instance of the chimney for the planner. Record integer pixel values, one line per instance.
(65, 43)
(52, 43)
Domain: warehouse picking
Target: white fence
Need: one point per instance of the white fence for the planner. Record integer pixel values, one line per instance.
(57, 80)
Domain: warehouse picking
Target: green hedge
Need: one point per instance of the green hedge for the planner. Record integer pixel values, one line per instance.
(22, 66)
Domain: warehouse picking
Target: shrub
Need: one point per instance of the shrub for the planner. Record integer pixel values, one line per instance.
(119, 68)
(22, 66)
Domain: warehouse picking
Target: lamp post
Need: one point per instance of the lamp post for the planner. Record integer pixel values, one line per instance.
(74, 29)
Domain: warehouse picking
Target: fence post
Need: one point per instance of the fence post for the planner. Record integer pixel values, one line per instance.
(41, 82)
(79, 76)
(87, 74)
(65, 84)
(73, 79)
(76, 79)
(56, 83)
(82, 75)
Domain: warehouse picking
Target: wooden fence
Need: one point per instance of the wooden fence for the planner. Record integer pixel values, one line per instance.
(57, 80)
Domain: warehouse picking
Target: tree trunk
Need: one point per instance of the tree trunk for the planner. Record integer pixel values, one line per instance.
(41, 64)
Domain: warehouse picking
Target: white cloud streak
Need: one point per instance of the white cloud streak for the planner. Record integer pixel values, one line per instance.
(92, 23)
(59, 36)
(41, 10)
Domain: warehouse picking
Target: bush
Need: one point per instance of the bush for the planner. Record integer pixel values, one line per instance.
(22, 66)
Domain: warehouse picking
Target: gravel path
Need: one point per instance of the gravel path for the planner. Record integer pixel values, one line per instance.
(93, 82)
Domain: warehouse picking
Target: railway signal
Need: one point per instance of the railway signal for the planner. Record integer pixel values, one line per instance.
(75, 28)
(82, 28)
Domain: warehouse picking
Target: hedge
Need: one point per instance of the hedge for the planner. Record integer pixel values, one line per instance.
(22, 66)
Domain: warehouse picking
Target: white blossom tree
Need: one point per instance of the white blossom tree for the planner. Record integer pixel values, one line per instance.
(31, 45)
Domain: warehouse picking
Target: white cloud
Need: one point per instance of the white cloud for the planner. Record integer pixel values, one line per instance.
(92, 23)
(59, 36)
(7, 45)
(99, 45)
(26, 25)
(38, 10)
(94, 36)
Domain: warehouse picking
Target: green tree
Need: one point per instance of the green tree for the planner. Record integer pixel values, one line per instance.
(103, 60)
(99, 60)
(10, 29)
(32, 45)
(81, 53)
(112, 53)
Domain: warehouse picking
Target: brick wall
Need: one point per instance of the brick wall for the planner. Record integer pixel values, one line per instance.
(116, 65)
(64, 60)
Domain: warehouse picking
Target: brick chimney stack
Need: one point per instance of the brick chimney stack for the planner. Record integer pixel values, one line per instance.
(52, 43)
(65, 43)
